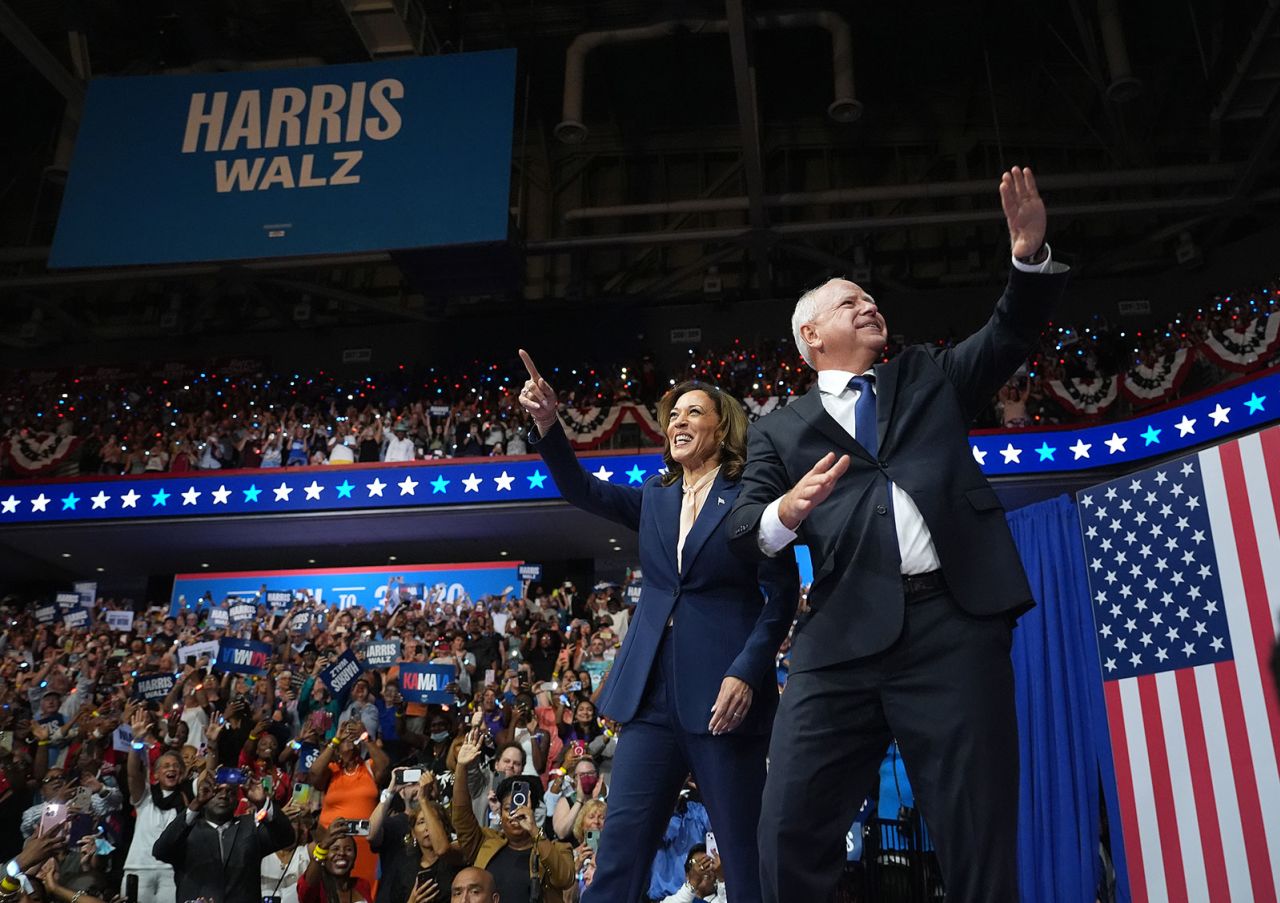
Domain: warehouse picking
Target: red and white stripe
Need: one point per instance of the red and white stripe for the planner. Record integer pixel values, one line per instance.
(1196, 750)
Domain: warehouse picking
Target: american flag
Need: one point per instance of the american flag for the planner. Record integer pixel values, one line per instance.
(1184, 564)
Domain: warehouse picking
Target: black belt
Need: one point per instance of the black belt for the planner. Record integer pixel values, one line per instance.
(920, 586)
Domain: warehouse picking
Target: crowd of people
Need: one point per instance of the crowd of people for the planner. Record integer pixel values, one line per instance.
(177, 418)
(269, 786)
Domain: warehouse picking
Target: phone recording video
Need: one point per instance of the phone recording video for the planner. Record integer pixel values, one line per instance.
(52, 817)
(234, 776)
(407, 775)
(519, 796)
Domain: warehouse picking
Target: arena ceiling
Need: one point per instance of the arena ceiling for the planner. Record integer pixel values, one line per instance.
(728, 149)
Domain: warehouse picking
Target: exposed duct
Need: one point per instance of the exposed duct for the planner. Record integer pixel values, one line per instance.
(1123, 86)
(882, 223)
(1120, 178)
(845, 107)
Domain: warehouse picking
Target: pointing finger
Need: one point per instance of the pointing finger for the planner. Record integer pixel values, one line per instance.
(530, 366)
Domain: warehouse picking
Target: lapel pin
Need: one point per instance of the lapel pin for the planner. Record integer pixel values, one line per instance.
(719, 500)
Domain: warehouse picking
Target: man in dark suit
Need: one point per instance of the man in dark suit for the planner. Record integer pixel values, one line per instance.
(218, 856)
(916, 580)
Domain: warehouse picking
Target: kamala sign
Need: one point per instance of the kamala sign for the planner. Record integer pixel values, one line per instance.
(394, 154)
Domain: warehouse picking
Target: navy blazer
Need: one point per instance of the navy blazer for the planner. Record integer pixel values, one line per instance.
(925, 399)
(730, 614)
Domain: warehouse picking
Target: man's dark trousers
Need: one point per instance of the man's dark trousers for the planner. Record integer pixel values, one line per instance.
(833, 728)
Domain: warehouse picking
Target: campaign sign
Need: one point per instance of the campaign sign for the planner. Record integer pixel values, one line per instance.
(340, 675)
(280, 601)
(633, 592)
(242, 612)
(88, 593)
(394, 154)
(530, 572)
(402, 594)
(120, 620)
(307, 754)
(301, 622)
(67, 601)
(198, 651)
(153, 686)
(218, 619)
(46, 614)
(380, 654)
(243, 657)
(425, 683)
(122, 739)
(75, 617)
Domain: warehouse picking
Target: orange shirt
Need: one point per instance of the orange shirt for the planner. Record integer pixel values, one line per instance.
(353, 796)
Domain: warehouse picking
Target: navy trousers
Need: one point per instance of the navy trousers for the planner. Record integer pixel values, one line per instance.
(653, 756)
(945, 691)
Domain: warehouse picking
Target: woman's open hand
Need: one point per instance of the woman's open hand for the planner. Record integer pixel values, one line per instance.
(731, 706)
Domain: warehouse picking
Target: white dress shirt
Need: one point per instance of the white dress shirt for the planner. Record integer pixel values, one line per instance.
(686, 895)
(915, 543)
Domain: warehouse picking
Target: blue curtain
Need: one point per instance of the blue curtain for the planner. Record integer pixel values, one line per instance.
(1062, 719)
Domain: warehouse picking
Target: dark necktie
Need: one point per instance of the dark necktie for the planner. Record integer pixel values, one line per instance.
(864, 413)
(222, 840)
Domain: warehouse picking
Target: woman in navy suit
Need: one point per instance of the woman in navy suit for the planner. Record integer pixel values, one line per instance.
(694, 684)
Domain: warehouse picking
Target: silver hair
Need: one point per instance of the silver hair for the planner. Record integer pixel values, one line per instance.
(806, 310)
